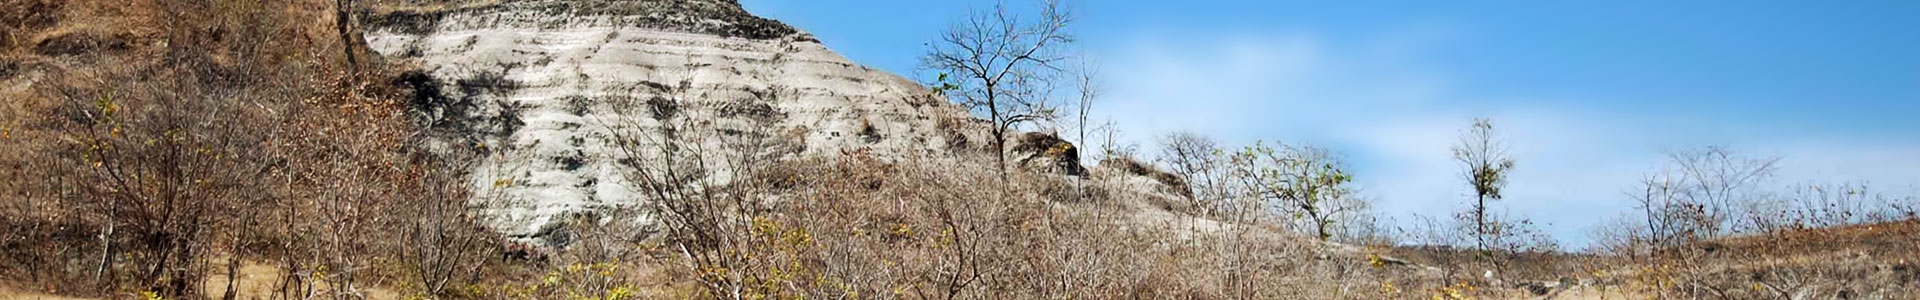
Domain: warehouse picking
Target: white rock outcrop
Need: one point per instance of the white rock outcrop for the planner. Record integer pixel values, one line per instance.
(543, 82)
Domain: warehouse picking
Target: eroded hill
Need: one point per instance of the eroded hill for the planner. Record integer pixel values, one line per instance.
(550, 84)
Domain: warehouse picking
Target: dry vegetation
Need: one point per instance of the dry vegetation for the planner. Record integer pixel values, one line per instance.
(158, 146)
(224, 149)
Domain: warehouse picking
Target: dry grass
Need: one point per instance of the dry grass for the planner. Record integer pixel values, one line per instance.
(856, 227)
(258, 280)
(8, 293)
(255, 281)
(1870, 261)
(1889, 239)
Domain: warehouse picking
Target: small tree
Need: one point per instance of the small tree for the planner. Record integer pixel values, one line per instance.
(999, 64)
(1306, 183)
(1085, 77)
(1485, 162)
(1111, 145)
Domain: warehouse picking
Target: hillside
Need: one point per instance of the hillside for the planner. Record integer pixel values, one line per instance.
(551, 83)
(689, 149)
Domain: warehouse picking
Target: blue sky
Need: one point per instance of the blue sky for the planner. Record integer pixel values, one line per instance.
(1589, 94)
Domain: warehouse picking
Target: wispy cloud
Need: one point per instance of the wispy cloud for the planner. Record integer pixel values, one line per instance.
(1394, 115)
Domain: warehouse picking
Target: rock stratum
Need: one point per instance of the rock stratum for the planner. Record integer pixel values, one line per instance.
(545, 85)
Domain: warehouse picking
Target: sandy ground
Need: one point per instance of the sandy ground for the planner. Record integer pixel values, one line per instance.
(256, 281)
(13, 291)
(10, 293)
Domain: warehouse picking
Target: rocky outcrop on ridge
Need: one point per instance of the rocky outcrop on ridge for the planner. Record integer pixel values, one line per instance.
(543, 82)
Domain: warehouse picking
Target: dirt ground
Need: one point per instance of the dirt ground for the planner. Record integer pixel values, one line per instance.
(256, 281)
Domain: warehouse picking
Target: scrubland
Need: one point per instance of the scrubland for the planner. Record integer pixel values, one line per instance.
(247, 150)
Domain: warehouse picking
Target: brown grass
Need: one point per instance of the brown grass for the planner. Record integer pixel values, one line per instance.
(8, 293)
(1887, 239)
(1869, 261)
(258, 280)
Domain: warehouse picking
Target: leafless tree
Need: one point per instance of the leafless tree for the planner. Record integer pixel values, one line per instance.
(1200, 162)
(1112, 142)
(1658, 200)
(1714, 182)
(1000, 64)
(1087, 80)
(1703, 193)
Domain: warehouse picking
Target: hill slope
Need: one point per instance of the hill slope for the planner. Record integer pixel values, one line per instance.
(552, 83)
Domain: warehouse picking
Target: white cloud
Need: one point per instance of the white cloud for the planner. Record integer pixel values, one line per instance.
(1395, 117)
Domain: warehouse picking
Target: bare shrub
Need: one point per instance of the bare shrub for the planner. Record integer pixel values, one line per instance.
(1821, 206)
(1199, 161)
(442, 237)
(1703, 194)
(697, 182)
(1714, 184)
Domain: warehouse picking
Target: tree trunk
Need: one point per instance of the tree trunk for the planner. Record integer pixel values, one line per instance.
(106, 250)
(1000, 153)
(342, 22)
(1319, 224)
(233, 259)
(1480, 222)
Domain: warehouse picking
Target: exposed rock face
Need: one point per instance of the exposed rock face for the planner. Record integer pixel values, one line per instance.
(723, 18)
(545, 82)
(1044, 152)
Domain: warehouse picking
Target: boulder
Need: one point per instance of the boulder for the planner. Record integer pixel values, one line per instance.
(1047, 153)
